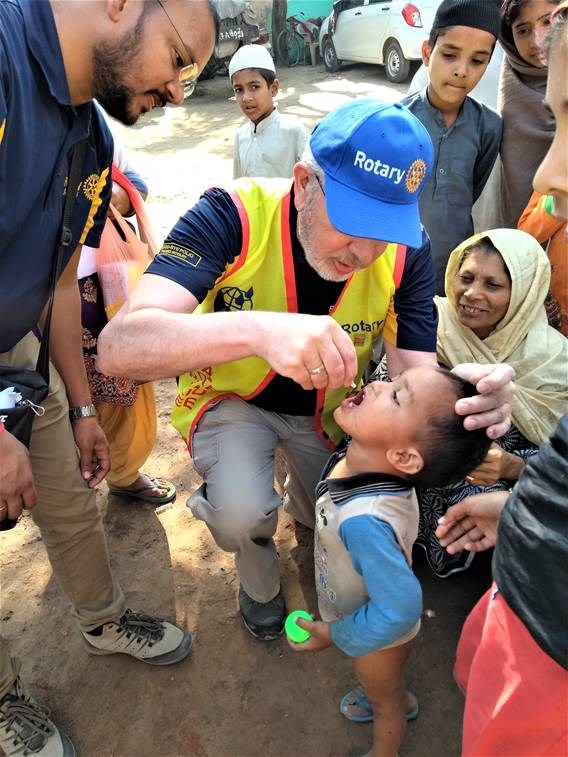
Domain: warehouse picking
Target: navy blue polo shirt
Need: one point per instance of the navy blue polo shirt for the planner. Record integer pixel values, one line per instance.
(38, 127)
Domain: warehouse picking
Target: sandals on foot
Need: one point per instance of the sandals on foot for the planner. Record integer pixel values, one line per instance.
(355, 707)
(145, 492)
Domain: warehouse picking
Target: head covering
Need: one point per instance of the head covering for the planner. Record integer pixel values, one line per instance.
(376, 158)
(528, 127)
(523, 338)
(479, 14)
(251, 56)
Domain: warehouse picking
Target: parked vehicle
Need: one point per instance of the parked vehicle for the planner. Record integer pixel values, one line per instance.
(238, 26)
(387, 32)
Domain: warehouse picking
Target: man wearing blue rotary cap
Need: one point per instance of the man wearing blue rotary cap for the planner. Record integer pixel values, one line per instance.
(375, 160)
(266, 299)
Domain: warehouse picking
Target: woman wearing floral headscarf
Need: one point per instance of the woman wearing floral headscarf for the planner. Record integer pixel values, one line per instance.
(496, 284)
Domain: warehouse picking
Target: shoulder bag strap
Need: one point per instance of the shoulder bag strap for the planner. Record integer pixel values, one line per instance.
(77, 160)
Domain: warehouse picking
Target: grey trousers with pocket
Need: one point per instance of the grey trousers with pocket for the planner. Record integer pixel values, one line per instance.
(233, 451)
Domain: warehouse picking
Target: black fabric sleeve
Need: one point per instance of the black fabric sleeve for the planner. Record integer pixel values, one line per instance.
(414, 309)
(202, 243)
(529, 562)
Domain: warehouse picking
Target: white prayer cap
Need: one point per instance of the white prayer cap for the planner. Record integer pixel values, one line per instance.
(251, 56)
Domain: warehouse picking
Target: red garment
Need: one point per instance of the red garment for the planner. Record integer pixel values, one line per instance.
(516, 695)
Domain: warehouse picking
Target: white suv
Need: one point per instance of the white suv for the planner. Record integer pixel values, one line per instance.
(387, 32)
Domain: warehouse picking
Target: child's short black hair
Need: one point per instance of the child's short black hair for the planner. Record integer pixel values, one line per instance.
(268, 76)
(435, 33)
(449, 450)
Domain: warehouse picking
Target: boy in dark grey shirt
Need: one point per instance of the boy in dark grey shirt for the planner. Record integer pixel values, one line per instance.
(465, 133)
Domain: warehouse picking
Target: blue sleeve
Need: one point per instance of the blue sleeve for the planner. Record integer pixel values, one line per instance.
(416, 316)
(202, 243)
(138, 182)
(491, 133)
(395, 596)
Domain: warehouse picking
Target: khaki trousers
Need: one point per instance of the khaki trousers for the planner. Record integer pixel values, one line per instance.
(66, 513)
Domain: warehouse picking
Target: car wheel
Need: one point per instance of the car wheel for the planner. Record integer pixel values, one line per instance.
(330, 57)
(397, 67)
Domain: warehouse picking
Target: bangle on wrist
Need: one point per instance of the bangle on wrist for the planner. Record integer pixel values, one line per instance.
(82, 411)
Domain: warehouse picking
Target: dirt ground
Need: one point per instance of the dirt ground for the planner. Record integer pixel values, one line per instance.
(234, 696)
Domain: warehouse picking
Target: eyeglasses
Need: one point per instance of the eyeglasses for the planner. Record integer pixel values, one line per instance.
(317, 178)
(189, 73)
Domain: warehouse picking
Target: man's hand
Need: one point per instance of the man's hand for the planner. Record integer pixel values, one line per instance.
(313, 350)
(472, 523)
(318, 640)
(93, 448)
(491, 409)
(17, 488)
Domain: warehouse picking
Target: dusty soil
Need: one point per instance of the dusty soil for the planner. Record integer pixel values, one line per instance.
(234, 696)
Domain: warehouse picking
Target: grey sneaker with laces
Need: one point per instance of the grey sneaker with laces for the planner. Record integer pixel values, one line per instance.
(144, 637)
(25, 727)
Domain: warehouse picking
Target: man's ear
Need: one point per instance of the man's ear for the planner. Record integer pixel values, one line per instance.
(302, 176)
(115, 8)
(408, 460)
(275, 88)
(426, 52)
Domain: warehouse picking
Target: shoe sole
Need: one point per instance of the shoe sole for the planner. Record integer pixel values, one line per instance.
(265, 637)
(170, 658)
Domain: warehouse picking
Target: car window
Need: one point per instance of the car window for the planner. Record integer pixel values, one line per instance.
(374, 2)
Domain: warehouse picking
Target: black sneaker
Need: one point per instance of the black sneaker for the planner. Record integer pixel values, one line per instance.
(264, 620)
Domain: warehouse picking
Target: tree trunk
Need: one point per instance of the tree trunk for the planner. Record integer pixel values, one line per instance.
(279, 13)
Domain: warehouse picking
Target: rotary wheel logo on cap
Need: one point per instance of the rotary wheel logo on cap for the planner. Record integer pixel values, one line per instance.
(415, 175)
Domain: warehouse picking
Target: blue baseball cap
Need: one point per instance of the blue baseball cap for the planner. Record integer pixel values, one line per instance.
(376, 158)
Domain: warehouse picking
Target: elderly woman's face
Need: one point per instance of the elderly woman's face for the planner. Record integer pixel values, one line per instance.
(482, 292)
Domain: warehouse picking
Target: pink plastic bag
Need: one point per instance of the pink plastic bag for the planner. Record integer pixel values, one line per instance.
(120, 262)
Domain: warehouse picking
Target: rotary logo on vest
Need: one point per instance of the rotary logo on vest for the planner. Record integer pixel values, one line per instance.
(414, 175)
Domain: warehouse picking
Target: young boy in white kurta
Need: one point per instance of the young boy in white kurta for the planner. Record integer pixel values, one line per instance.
(269, 143)
(401, 433)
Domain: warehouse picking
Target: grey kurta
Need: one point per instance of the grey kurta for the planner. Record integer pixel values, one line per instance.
(465, 153)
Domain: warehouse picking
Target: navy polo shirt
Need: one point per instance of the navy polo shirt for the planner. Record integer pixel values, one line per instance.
(38, 127)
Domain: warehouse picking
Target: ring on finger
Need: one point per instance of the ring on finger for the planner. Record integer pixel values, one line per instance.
(317, 371)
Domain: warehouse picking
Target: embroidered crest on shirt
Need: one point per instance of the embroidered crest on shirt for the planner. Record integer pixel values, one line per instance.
(90, 186)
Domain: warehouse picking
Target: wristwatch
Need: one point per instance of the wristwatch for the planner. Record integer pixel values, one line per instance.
(82, 411)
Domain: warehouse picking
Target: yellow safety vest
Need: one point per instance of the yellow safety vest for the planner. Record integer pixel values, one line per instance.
(262, 278)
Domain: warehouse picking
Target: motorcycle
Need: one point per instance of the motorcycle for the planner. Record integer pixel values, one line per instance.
(238, 26)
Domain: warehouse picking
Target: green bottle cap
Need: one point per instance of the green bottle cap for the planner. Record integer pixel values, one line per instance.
(293, 630)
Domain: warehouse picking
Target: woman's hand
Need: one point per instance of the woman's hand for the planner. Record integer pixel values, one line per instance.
(120, 199)
(497, 465)
(472, 523)
(318, 640)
